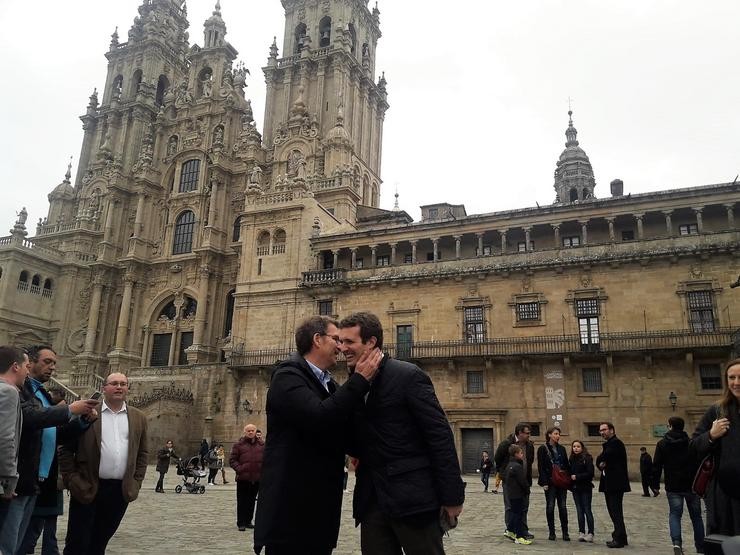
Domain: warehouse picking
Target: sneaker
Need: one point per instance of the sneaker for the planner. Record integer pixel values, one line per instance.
(590, 538)
(581, 537)
(523, 541)
(677, 550)
(510, 535)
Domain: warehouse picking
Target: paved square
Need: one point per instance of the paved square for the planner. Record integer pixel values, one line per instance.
(158, 524)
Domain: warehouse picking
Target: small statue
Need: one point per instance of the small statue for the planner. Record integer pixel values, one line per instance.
(207, 87)
(301, 168)
(22, 216)
(218, 135)
(172, 146)
(255, 178)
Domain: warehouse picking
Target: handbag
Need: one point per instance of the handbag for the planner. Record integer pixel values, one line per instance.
(560, 478)
(703, 475)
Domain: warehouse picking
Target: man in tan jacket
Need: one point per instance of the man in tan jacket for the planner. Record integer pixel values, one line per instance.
(104, 470)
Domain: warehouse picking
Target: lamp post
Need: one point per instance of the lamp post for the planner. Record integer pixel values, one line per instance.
(673, 398)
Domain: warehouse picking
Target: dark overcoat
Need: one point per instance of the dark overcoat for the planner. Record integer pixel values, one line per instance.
(300, 504)
(614, 477)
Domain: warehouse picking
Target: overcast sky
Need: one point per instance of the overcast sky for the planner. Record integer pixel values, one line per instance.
(478, 92)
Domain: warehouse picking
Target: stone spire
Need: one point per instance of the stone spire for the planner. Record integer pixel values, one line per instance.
(574, 176)
(214, 29)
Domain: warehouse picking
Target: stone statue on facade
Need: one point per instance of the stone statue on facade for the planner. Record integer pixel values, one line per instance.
(255, 178)
(22, 217)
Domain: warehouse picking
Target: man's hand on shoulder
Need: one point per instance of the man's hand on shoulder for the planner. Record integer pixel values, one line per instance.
(367, 364)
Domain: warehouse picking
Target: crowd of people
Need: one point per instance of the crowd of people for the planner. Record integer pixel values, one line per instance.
(386, 417)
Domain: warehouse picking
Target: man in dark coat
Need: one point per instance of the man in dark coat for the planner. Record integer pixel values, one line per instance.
(163, 463)
(522, 432)
(408, 476)
(646, 474)
(614, 481)
(300, 494)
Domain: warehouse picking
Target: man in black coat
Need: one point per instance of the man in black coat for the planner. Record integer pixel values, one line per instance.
(520, 437)
(300, 494)
(614, 481)
(408, 476)
(646, 474)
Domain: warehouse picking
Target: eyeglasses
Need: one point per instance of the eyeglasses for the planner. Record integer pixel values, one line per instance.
(116, 384)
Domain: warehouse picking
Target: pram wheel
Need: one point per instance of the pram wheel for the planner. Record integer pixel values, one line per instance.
(178, 489)
(202, 489)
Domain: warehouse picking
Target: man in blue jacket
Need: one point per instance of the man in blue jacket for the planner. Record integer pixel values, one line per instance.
(408, 475)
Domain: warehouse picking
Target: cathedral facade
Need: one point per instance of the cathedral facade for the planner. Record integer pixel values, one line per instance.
(190, 245)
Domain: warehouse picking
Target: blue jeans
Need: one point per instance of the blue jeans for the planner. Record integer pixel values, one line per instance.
(675, 506)
(484, 477)
(46, 525)
(582, 499)
(14, 518)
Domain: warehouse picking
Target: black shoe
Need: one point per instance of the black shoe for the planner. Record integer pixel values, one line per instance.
(566, 537)
(551, 537)
(615, 544)
(656, 492)
(250, 526)
(646, 495)
(242, 528)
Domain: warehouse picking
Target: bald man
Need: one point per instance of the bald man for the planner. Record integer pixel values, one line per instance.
(246, 460)
(104, 470)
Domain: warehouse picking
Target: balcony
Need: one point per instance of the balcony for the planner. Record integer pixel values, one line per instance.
(559, 345)
(323, 277)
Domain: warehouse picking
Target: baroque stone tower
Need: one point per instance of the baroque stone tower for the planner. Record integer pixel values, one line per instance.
(574, 176)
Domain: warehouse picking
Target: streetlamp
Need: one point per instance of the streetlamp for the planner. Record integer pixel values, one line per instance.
(673, 398)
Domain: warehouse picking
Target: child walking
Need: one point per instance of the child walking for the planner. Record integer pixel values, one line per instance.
(516, 488)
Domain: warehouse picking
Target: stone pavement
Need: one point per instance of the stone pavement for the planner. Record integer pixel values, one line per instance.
(158, 524)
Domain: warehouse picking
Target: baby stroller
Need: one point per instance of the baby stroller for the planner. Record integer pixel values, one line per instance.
(189, 470)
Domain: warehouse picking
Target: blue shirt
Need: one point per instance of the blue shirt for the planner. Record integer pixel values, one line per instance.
(48, 436)
(323, 376)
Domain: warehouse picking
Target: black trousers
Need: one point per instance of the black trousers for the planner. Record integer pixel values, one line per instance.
(645, 484)
(614, 504)
(297, 550)
(416, 535)
(160, 482)
(246, 494)
(90, 527)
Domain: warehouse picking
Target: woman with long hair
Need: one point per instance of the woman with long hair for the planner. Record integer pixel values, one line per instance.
(718, 434)
(582, 474)
(548, 455)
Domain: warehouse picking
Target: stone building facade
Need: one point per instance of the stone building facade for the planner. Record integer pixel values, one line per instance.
(190, 245)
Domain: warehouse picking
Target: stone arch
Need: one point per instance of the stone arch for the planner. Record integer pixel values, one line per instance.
(205, 82)
(375, 194)
(23, 277)
(573, 195)
(365, 190)
(229, 314)
(263, 242)
(352, 38)
(298, 34)
(117, 86)
(237, 229)
(184, 232)
(162, 85)
(135, 83)
(325, 32)
(279, 238)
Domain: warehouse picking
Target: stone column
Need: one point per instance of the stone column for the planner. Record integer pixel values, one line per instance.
(668, 223)
(527, 236)
(503, 242)
(139, 222)
(730, 215)
(353, 250)
(93, 315)
(393, 254)
(335, 253)
(556, 232)
(373, 255)
(172, 357)
(318, 260)
(413, 251)
(147, 345)
(639, 218)
(123, 317)
(108, 231)
(457, 239)
(435, 247)
(584, 232)
(212, 204)
(699, 222)
(480, 243)
(201, 314)
(610, 221)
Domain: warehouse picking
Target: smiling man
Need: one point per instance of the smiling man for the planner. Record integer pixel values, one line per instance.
(408, 475)
(298, 511)
(104, 470)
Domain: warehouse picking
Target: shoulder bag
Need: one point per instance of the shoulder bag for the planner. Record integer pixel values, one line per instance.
(558, 477)
(705, 471)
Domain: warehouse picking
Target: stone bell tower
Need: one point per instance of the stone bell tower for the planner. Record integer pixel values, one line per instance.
(324, 110)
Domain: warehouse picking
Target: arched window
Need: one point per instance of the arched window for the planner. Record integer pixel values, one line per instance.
(365, 191)
(585, 194)
(573, 195)
(352, 38)
(184, 227)
(325, 32)
(23, 277)
(117, 86)
(375, 195)
(189, 176)
(263, 243)
(36, 284)
(135, 83)
(169, 311)
(162, 85)
(278, 242)
(205, 82)
(237, 229)
(300, 32)
(229, 312)
(46, 291)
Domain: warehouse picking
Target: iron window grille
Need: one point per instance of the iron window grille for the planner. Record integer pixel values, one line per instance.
(189, 176)
(184, 228)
